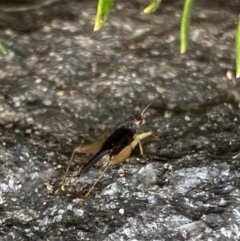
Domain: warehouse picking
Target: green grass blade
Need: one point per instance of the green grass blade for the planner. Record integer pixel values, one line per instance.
(2, 48)
(103, 10)
(185, 24)
(152, 7)
(238, 49)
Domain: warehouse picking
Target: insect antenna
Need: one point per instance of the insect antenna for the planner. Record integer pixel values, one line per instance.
(144, 110)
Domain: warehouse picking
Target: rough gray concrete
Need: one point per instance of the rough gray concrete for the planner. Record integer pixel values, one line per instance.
(63, 85)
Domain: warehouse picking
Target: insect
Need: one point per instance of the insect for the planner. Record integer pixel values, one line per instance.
(118, 145)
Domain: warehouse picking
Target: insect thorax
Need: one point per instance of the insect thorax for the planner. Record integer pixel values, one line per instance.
(133, 123)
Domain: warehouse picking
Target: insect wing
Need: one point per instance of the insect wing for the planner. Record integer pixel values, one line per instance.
(121, 136)
(90, 148)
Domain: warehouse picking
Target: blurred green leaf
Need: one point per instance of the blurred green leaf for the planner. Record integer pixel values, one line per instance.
(152, 7)
(238, 49)
(2, 48)
(103, 10)
(185, 24)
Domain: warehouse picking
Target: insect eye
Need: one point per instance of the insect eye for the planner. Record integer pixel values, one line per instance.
(139, 121)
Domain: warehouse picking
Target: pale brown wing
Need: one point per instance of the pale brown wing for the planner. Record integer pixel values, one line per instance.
(90, 148)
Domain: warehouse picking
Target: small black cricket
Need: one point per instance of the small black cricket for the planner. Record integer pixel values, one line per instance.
(119, 144)
(119, 139)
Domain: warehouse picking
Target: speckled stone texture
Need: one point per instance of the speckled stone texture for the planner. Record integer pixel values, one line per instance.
(63, 85)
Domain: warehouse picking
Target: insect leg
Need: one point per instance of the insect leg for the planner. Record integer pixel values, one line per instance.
(120, 157)
(65, 174)
(90, 148)
(137, 140)
(126, 152)
(94, 184)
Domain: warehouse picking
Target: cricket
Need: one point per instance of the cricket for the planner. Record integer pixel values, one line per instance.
(118, 146)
